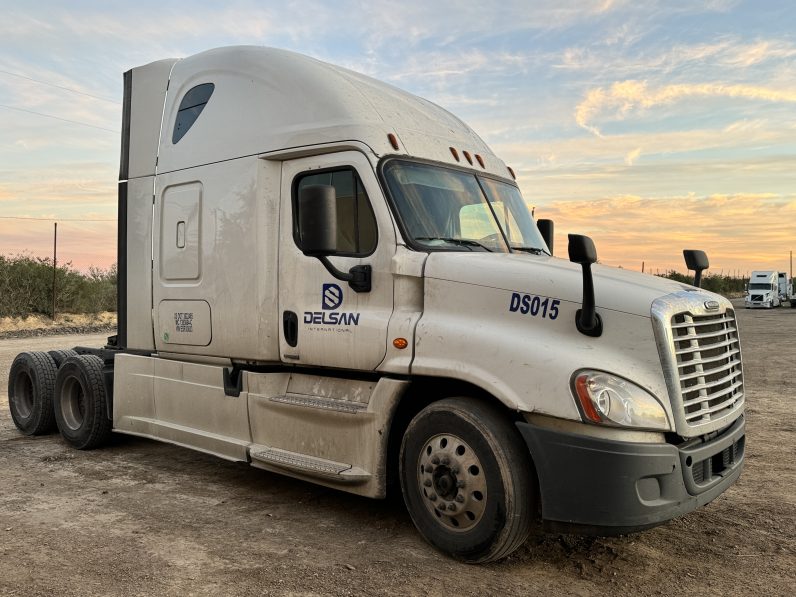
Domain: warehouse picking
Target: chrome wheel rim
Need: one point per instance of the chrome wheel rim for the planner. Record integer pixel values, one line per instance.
(452, 482)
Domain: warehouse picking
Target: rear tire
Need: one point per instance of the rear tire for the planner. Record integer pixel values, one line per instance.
(467, 480)
(30, 393)
(80, 402)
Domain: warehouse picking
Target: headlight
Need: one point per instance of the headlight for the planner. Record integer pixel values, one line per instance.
(606, 399)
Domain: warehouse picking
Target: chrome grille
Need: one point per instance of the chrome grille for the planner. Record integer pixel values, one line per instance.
(708, 362)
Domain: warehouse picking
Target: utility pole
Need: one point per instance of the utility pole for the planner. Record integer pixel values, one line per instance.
(642, 267)
(55, 261)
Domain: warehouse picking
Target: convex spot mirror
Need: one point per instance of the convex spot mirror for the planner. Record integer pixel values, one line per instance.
(696, 260)
(317, 208)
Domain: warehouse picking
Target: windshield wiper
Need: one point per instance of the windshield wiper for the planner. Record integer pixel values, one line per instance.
(534, 250)
(465, 242)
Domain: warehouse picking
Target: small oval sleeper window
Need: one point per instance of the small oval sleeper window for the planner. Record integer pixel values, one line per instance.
(190, 107)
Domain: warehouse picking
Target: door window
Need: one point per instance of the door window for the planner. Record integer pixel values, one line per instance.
(356, 224)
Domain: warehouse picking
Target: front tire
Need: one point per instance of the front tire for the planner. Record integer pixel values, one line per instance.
(467, 480)
(80, 405)
(30, 393)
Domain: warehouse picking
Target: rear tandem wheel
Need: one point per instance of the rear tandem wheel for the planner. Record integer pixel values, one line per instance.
(30, 393)
(79, 402)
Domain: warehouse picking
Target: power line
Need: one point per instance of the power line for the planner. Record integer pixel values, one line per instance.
(104, 99)
(94, 126)
(53, 219)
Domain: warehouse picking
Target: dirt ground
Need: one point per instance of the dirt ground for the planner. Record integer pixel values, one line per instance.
(144, 518)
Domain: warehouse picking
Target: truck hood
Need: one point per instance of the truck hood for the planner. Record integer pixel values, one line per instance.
(615, 289)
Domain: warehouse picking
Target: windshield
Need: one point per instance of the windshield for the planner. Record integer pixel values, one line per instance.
(760, 286)
(448, 209)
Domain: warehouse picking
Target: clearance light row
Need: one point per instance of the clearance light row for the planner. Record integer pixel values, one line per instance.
(394, 142)
(478, 159)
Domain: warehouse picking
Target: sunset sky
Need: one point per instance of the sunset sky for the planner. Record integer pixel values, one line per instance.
(650, 126)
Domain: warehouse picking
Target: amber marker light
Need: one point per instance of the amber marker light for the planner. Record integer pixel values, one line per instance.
(393, 140)
(400, 343)
(480, 160)
(582, 390)
(454, 153)
(511, 171)
(468, 157)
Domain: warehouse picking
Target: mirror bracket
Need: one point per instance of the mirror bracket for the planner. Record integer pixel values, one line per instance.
(358, 277)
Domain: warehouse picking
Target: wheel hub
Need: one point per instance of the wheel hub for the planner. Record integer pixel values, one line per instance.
(452, 481)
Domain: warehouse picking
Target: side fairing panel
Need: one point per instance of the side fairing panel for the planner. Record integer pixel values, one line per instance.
(138, 255)
(149, 84)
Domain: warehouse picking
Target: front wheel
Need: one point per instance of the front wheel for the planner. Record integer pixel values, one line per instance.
(467, 480)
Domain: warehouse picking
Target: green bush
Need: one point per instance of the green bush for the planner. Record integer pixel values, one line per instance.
(26, 287)
(726, 285)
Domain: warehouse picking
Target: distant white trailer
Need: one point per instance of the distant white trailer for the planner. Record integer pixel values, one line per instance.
(763, 290)
(785, 287)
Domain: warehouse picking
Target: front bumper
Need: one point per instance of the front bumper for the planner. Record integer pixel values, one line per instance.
(607, 486)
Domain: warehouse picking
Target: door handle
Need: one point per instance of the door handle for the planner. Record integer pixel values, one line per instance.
(290, 328)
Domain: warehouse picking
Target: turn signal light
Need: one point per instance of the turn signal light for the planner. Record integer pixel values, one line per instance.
(582, 390)
(393, 140)
(511, 171)
(480, 160)
(468, 157)
(454, 153)
(400, 343)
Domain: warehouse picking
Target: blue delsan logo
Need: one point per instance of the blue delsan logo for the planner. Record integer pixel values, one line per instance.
(332, 297)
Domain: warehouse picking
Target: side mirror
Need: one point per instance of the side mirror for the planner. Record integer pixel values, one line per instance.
(582, 251)
(546, 230)
(317, 207)
(697, 261)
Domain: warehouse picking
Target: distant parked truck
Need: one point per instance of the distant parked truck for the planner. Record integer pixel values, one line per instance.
(785, 288)
(763, 290)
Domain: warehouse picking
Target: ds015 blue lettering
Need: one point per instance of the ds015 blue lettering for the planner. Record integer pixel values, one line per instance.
(534, 306)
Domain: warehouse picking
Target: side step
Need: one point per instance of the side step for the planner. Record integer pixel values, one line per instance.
(308, 465)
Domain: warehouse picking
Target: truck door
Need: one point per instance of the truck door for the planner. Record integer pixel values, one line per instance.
(325, 322)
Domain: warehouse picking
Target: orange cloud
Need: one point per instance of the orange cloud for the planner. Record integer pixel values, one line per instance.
(738, 232)
(625, 96)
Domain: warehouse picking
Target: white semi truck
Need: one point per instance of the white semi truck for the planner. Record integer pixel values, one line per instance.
(762, 290)
(327, 277)
(785, 288)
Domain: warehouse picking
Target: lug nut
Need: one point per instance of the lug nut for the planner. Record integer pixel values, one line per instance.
(446, 461)
(452, 507)
(460, 498)
(442, 506)
(433, 497)
(460, 483)
(455, 470)
(435, 460)
(427, 482)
